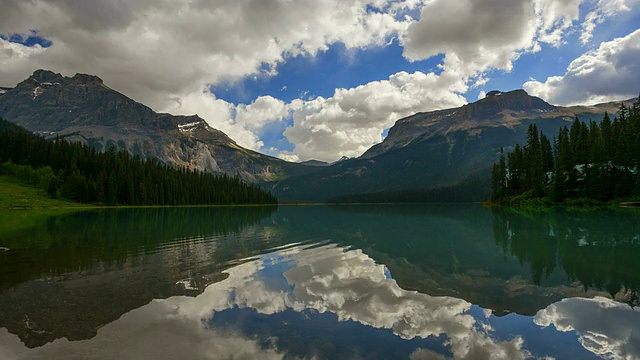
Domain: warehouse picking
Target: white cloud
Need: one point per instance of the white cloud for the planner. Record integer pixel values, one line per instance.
(476, 36)
(555, 18)
(218, 113)
(164, 53)
(263, 110)
(10, 50)
(604, 9)
(481, 34)
(611, 72)
(288, 156)
(603, 326)
(352, 120)
(345, 124)
(242, 122)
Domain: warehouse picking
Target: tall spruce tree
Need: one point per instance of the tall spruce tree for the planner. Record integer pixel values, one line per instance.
(597, 161)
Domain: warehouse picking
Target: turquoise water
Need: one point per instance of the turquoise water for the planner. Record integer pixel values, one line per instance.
(344, 282)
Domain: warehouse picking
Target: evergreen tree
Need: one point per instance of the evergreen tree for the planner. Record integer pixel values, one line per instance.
(115, 178)
(596, 161)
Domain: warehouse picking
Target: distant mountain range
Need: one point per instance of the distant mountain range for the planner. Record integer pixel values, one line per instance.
(82, 108)
(424, 151)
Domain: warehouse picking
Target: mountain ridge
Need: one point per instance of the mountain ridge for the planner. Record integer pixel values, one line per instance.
(428, 150)
(439, 149)
(82, 108)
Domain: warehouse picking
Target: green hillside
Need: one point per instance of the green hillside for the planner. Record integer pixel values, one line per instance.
(16, 194)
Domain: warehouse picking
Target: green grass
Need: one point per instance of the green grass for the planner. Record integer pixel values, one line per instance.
(14, 194)
(24, 208)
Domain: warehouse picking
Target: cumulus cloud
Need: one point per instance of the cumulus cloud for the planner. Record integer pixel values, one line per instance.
(352, 120)
(484, 35)
(345, 124)
(603, 326)
(554, 18)
(481, 34)
(168, 46)
(164, 53)
(608, 73)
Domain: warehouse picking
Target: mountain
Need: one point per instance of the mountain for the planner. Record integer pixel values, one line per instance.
(444, 149)
(439, 149)
(82, 108)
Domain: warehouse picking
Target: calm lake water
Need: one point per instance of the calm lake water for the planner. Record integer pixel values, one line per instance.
(344, 282)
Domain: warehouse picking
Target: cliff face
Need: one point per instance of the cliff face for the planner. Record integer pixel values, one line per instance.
(82, 108)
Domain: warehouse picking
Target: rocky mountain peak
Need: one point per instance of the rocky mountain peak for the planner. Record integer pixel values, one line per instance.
(497, 101)
(496, 109)
(82, 108)
(46, 76)
(87, 79)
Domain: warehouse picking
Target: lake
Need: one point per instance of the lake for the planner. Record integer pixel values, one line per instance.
(324, 282)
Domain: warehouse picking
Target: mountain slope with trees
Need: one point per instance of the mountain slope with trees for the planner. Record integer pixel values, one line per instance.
(83, 109)
(437, 156)
(598, 161)
(77, 172)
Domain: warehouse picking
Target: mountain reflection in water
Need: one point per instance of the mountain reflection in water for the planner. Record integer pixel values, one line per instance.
(428, 282)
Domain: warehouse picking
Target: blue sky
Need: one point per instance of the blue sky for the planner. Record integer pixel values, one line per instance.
(338, 67)
(323, 79)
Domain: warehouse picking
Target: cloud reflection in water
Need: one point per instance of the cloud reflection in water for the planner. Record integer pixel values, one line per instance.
(345, 284)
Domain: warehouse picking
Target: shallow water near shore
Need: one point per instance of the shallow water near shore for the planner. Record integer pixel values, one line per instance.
(324, 282)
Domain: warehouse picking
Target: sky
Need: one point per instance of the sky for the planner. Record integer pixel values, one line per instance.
(322, 79)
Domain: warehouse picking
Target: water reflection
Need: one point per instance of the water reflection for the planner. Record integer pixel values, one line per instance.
(282, 304)
(75, 241)
(73, 273)
(325, 280)
(420, 282)
(604, 327)
(598, 248)
(503, 260)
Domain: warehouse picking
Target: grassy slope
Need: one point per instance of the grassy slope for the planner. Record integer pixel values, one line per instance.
(23, 208)
(17, 195)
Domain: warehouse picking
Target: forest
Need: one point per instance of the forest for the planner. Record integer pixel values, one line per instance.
(474, 189)
(583, 164)
(77, 172)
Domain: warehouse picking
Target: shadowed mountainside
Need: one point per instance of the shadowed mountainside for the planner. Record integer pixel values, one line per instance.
(439, 149)
(82, 108)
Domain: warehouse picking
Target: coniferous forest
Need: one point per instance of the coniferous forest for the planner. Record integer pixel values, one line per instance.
(583, 164)
(76, 172)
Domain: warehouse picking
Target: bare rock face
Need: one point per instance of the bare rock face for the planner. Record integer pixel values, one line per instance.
(82, 108)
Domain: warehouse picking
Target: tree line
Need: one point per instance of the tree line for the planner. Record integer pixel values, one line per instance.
(474, 189)
(77, 172)
(583, 163)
